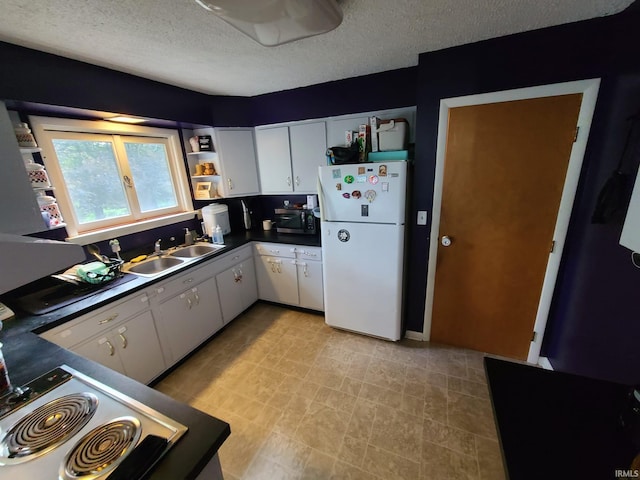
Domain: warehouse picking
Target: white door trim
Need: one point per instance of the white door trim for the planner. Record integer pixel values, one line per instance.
(589, 89)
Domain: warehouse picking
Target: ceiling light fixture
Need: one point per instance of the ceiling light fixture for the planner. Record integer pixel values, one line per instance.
(126, 119)
(274, 22)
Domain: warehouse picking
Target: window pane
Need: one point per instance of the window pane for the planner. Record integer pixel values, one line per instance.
(151, 175)
(92, 179)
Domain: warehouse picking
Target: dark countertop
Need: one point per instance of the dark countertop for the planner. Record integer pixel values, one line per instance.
(28, 356)
(557, 425)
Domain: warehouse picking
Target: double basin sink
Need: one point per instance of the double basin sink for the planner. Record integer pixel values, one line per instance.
(171, 260)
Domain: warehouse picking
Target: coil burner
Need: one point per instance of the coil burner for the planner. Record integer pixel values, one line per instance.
(100, 450)
(47, 427)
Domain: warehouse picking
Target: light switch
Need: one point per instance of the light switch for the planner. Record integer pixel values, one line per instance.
(422, 217)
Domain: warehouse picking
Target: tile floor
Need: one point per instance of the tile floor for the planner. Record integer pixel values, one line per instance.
(305, 401)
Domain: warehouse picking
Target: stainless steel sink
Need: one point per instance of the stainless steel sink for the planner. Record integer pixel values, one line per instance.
(198, 250)
(154, 266)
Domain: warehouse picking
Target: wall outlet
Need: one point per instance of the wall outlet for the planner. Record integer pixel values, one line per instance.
(422, 217)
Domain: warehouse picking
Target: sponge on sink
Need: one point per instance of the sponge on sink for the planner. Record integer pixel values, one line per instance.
(139, 258)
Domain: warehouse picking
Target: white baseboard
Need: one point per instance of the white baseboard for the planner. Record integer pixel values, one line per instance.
(411, 335)
(545, 363)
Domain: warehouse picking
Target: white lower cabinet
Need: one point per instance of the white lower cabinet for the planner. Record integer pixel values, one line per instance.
(188, 319)
(277, 280)
(131, 348)
(290, 274)
(237, 289)
(121, 336)
(149, 331)
(310, 284)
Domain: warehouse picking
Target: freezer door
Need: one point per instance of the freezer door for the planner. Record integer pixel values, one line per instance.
(363, 266)
(364, 192)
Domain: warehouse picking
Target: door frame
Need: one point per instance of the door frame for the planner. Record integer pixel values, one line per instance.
(589, 89)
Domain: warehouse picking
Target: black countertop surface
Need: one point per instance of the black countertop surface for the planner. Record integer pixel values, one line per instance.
(558, 425)
(27, 356)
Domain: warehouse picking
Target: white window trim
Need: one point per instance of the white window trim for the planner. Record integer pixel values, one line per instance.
(41, 125)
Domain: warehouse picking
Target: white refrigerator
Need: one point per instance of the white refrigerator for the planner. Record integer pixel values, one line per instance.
(362, 209)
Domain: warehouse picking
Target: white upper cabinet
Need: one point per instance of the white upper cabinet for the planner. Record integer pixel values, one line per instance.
(274, 160)
(289, 157)
(236, 151)
(308, 152)
(234, 159)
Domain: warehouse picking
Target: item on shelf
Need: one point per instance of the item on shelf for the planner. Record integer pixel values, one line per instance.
(24, 136)
(48, 204)
(195, 145)
(204, 190)
(199, 169)
(206, 145)
(209, 168)
(39, 178)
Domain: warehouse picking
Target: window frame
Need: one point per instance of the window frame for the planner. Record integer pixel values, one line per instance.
(45, 130)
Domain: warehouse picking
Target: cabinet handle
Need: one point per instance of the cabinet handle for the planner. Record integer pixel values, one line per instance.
(188, 280)
(197, 297)
(230, 184)
(275, 252)
(109, 319)
(189, 303)
(289, 181)
(273, 267)
(279, 269)
(297, 180)
(236, 257)
(124, 340)
(112, 350)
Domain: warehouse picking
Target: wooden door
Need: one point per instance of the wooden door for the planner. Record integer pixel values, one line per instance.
(504, 172)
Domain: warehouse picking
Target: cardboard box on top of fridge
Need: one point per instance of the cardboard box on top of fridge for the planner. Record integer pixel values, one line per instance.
(393, 134)
(373, 123)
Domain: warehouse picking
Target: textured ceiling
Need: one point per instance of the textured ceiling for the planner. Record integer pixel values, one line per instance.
(178, 42)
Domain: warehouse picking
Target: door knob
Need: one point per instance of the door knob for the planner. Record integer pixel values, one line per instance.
(445, 240)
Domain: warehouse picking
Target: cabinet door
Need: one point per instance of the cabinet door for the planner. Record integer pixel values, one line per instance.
(308, 152)
(237, 289)
(237, 156)
(230, 291)
(101, 350)
(277, 280)
(188, 319)
(249, 285)
(139, 349)
(274, 160)
(310, 284)
(206, 308)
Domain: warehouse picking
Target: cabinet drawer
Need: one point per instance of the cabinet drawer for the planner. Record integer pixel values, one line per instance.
(86, 326)
(224, 262)
(276, 249)
(178, 284)
(309, 253)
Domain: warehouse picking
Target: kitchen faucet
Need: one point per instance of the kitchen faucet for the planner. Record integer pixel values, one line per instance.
(156, 248)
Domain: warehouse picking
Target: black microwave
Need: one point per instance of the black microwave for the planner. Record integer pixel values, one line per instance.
(298, 220)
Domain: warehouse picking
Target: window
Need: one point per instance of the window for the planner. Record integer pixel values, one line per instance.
(113, 179)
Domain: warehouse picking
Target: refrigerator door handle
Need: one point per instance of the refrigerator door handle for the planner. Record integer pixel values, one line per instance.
(320, 197)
